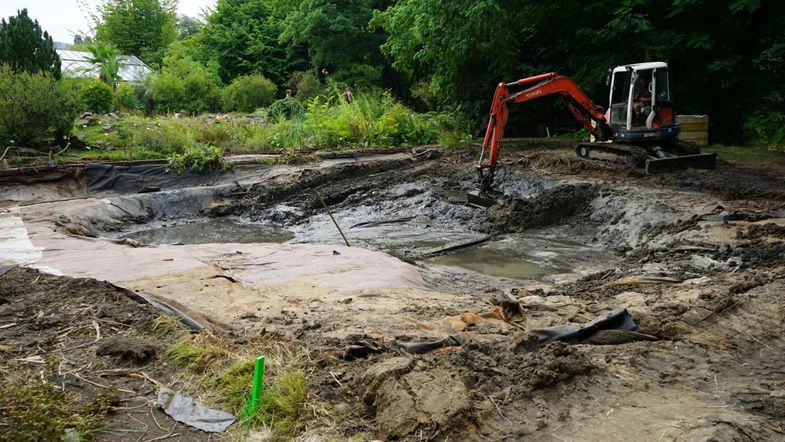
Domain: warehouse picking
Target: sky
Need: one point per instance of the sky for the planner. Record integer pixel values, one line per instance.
(64, 18)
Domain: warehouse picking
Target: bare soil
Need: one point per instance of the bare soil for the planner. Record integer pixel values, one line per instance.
(706, 290)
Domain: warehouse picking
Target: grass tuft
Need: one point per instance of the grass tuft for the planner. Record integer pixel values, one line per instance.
(40, 411)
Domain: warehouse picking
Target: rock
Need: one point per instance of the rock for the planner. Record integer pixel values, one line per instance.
(778, 394)
(109, 127)
(77, 141)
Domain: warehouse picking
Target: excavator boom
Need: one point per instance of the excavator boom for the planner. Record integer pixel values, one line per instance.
(577, 102)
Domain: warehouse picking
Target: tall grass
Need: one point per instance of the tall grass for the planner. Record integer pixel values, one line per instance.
(373, 120)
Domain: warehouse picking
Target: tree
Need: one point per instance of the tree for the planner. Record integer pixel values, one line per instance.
(35, 109)
(242, 37)
(187, 26)
(107, 58)
(726, 55)
(337, 38)
(24, 47)
(144, 28)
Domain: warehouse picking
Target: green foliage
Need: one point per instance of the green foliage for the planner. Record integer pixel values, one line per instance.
(193, 355)
(198, 158)
(282, 405)
(359, 75)
(335, 33)
(144, 28)
(305, 85)
(38, 411)
(24, 47)
(242, 37)
(97, 97)
(766, 127)
(285, 109)
(188, 26)
(184, 85)
(34, 108)
(127, 98)
(716, 49)
(106, 57)
(247, 93)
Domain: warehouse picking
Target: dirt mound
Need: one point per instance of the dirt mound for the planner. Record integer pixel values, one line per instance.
(760, 246)
(551, 206)
(492, 367)
(128, 348)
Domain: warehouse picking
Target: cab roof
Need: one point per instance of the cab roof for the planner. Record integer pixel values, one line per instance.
(641, 66)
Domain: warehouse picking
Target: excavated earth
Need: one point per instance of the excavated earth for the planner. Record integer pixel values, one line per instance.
(697, 258)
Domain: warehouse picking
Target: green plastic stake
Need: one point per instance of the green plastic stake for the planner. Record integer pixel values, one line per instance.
(548, 131)
(258, 386)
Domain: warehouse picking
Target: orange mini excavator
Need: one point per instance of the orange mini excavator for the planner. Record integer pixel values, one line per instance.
(638, 128)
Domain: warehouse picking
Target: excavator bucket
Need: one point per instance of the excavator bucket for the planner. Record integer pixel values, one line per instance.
(695, 161)
(479, 199)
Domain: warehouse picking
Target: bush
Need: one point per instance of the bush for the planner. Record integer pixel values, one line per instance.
(285, 109)
(248, 92)
(198, 158)
(127, 97)
(97, 97)
(766, 127)
(35, 108)
(305, 85)
(185, 85)
(359, 75)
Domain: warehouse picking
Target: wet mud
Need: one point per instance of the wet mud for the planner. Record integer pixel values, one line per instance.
(567, 242)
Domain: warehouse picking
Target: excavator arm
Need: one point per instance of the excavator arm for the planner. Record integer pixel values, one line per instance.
(538, 86)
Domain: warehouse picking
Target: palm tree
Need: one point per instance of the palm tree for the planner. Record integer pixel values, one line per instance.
(107, 58)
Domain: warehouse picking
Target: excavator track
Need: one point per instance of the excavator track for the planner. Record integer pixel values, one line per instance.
(662, 157)
(613, 152)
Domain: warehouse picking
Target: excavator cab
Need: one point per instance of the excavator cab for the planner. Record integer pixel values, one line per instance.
(641, 107)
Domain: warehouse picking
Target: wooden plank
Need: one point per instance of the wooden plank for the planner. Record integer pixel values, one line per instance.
(694, 127)
(692, 119)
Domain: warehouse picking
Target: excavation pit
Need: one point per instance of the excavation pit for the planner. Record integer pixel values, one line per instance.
(260, 260)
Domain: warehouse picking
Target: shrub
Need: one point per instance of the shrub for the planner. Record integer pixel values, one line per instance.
(35, 108)
(766, 127)
(198, 158)
(185, 85)
(359, 75)
(248, 92)
(97, 97)
(305, 85)
(285, 109)
(127, 97)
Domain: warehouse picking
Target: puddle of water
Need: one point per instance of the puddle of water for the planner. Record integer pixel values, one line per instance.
(213, 230)
(536, 257)
(501, 263)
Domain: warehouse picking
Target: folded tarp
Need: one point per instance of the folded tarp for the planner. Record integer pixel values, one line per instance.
(618, 319)
(185, 409)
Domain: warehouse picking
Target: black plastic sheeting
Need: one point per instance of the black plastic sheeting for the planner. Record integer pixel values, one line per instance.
(618, 319)
(5, 268)
(138, 178)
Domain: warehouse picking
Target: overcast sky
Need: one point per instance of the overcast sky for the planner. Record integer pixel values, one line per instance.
(64, 18)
